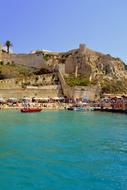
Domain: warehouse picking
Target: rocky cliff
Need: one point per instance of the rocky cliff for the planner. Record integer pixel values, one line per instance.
(88, 62)
(95, 63)
(102, 69)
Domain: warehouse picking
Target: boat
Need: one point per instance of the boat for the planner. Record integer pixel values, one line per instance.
(30, 110)
(75, 108)
(70, 108)
(79, 108)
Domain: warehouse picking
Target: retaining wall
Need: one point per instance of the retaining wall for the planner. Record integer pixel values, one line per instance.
(52, 91)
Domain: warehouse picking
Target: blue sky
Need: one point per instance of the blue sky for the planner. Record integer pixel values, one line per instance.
(60, 25)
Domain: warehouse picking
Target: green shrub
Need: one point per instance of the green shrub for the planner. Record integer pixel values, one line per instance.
(46, 57)
(79, 81)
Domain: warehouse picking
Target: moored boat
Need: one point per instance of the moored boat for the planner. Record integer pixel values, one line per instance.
(75, 108)
(79, 108)
(30, 110)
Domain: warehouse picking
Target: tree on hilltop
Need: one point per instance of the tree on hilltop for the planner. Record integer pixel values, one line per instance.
(8, 45)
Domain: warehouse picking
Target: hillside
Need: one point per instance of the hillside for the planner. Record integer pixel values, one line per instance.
(96, 68)
(83, 67)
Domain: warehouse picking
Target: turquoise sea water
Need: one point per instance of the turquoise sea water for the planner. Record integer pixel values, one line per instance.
(63, 150)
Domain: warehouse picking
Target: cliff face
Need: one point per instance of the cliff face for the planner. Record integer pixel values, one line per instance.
(106, 65)
(95, 64)
(107, 71)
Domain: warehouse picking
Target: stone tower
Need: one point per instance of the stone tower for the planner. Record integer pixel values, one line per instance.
(82, 49)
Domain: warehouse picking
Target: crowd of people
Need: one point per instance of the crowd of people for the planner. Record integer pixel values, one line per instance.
(112, 102)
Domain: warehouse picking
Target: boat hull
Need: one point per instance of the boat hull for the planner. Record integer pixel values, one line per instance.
(72, 108)
(31, 110)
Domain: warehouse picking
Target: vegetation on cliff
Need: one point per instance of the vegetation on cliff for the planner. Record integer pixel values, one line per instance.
(114, 86)
(77, 81)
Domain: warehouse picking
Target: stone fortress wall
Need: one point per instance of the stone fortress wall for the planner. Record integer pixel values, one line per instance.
(31, 59)
(77, 62)
(28, 60)
(36, 59)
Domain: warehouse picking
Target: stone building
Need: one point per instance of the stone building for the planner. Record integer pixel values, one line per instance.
(76, 62)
